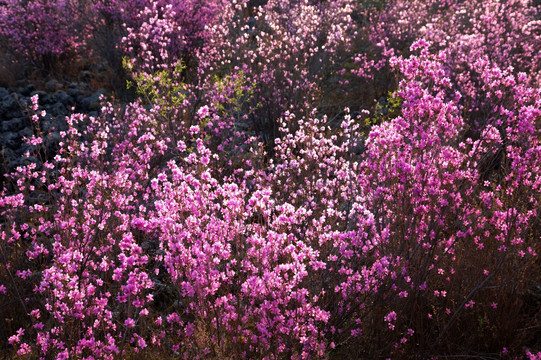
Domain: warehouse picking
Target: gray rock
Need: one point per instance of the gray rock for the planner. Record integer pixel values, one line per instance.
(92, 102)
(23, 149)
(27, 90)
(7, 155)
(52, 140)
(59, 109)
(25, 102)
(10, 140)
(80, 86)
(3, 92)
(15, 124)
(53, 85)
(74, 93)
(64, 98)
(25, 132)
(51, 124)
(47, 125)
(11, 108)
(9, 102)
(14, 114)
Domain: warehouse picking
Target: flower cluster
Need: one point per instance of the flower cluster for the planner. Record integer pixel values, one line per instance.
(39, 29)
(229, 212)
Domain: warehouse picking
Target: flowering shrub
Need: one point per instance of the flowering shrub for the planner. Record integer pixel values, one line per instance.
(40, 30)
(504, 32)
(56, 32)
(165, 32)
(225, 214)
(439, 191)
(283, 49)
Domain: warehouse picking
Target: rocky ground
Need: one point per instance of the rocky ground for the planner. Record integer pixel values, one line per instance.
(57, 100)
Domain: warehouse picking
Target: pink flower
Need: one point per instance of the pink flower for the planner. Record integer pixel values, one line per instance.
(129, 323)
(203, 111)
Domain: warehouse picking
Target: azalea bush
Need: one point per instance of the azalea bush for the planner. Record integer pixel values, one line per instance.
(230, 212)
(40, 31)
(282, 51)
(52, 35)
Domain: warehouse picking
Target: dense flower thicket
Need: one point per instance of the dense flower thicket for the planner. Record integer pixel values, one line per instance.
(48, 34)
(39, 30)
(507, 32)
(282, 54)
(227, 214)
